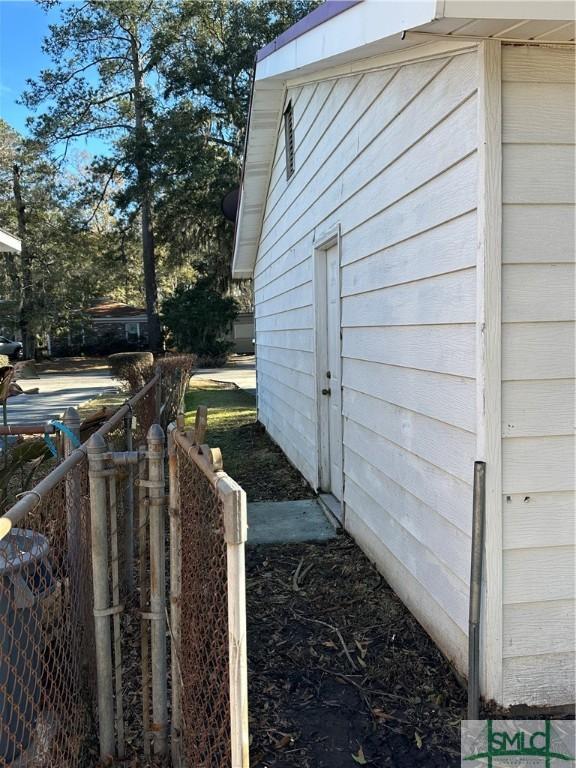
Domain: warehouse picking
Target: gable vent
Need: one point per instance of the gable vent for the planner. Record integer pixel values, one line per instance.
(289, 139)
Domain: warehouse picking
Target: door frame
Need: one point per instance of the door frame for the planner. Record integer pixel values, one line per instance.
(323, 241)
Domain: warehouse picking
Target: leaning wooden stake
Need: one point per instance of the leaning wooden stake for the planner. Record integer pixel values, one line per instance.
(156, 504)
(235, 527)
(175, 598)
(99, 537)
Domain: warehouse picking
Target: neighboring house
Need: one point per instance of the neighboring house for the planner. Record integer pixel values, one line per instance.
(407, 214)
(242, 334)
(118, 322)
(109, 326)
(9, 243)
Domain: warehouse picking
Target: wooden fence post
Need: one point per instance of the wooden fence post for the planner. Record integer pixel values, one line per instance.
(129, 511)
(235, 528)
(142, 575)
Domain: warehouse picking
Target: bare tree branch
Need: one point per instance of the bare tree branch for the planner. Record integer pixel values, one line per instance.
(103, 193)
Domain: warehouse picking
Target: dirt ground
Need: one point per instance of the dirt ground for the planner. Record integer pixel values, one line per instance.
(340, 674)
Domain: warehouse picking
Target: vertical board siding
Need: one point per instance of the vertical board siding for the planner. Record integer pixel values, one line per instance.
(538, 388)
(390, 157)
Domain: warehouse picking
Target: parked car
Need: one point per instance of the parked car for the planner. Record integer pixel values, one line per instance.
(11, 348)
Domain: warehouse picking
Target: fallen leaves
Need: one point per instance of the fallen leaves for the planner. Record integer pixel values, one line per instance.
(359, 757)
(338, 664)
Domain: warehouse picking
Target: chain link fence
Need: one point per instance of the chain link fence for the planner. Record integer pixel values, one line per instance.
(88, 645)
(48, 707)
(208, 515)
(45, 636)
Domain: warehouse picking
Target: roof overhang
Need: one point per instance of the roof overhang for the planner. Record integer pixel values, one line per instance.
(9, 243)
(343, 32)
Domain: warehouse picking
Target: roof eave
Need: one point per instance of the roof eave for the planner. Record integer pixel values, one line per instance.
(337, 39)
(362, 31)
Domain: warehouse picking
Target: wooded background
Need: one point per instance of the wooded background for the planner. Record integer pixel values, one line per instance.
(166, 87)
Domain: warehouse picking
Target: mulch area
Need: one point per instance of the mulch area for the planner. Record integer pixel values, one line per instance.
(340, 673)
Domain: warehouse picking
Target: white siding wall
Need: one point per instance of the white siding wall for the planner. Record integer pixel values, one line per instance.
(538, 395)
(391, 157)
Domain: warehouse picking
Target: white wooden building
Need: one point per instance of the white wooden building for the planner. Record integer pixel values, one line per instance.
(407, 214)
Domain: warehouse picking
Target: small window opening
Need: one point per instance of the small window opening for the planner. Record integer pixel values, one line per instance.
(289, 139)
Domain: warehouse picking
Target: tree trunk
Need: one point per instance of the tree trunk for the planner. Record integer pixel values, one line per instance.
(143, 174)
(25, 299)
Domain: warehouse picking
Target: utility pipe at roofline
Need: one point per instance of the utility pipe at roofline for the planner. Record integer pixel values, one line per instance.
(478, 522)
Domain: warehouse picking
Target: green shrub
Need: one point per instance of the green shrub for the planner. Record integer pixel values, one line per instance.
(134, 369)
(198, 318)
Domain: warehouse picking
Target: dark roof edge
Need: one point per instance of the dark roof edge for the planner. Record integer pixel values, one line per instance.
(318, 16)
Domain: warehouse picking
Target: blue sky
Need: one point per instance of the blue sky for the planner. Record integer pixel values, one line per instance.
(23, 26)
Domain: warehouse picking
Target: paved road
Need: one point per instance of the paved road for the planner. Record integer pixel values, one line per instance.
(241, 371)
(57, 392)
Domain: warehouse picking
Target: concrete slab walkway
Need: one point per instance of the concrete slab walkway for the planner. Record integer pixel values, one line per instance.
(240, 371)
(279, 522)
(57, 392)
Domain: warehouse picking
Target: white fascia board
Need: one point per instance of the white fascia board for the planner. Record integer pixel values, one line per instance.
(343, 37)
(9, 243)
(536, 10)
(264, 121)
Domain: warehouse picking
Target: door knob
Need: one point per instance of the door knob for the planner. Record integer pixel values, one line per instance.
(326, 392)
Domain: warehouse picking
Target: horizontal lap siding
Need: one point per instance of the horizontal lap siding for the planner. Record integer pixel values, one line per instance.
(408, 317)
(538, 388)
(390, 156)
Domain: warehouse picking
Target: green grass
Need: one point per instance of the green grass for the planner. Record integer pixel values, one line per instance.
(250, 456)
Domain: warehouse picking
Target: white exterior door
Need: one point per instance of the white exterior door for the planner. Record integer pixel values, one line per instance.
(331, 390)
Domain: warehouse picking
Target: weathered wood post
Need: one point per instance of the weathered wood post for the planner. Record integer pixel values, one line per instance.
(142, 576)
(156, 504)
(99, 533)
(235, 530)
(175, 595)
(158, 395)
(117, 608)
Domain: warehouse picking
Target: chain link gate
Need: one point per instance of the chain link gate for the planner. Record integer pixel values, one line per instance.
(208, 606)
